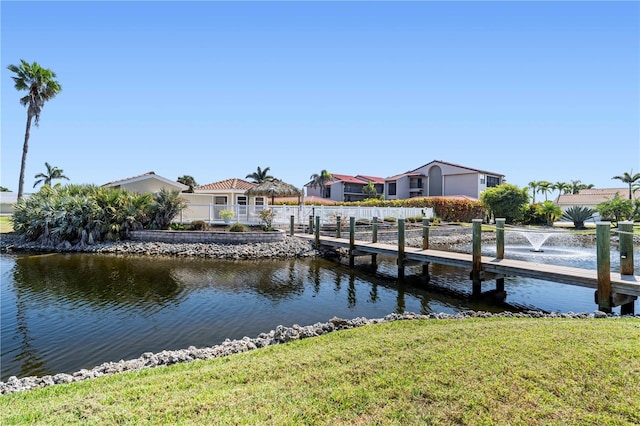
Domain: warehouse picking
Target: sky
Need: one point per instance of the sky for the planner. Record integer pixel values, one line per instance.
(530, 90)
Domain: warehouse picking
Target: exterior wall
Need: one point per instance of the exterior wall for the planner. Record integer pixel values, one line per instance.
(207, 237)
(314, 192)
(461, 184)
(337, 191)
(147, 185)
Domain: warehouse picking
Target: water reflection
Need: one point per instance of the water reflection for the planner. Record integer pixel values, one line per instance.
(61, 313)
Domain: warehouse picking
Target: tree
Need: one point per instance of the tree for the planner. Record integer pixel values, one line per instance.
(630, 179)
(505, 200)
(260, 175)
(545, 187)
(41, 86)
(52, 173)
(321, 180)
(616, 209)
(189, 181)
(4, 189)
(550, 210)
(562, 188)
(370, 190)
(534, 186)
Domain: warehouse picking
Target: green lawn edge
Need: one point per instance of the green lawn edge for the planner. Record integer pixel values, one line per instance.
(517, 371)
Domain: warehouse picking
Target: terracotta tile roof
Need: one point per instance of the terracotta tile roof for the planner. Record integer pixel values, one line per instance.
(227, 184)
(345, 178)
(594, 196)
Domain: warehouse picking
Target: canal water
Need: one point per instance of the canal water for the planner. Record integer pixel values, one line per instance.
(65, 312)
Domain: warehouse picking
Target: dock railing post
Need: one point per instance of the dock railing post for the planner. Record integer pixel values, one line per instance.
(603, 295)
(400, 259)
(310, 224)
(476, 256)
(500, 248)
(352, 240)
(292, 221)
(374, 239)
(338, 226)
(425, 244)
(317, 232)
(625, 235)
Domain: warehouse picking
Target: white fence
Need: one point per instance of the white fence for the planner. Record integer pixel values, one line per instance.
(250, 215)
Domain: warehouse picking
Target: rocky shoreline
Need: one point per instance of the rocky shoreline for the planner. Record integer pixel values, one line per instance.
(274, 337)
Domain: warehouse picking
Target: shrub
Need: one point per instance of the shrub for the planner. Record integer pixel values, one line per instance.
(530, 215)
(177, 227)
(238, 227)
(267, 216)
(578, 215)
(166, 207)
(390, 219)
(505, 201)
(198, 225)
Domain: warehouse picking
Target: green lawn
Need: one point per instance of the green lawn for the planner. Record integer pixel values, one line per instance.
(442, 372)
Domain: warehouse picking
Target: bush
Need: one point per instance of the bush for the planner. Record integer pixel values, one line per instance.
(198, 225)
(390, 219)
(531, 215)
(505, 201)
(238, 227)
(578, 215)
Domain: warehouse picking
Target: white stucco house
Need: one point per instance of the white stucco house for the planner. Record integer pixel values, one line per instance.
(592, 197)
(146, 182)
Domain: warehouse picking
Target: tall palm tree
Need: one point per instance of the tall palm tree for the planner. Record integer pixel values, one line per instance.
(189, 181)
(52, 173)
(41, 86)
(534, 186)
(321, 180)
(562, 187)
(260, 175)
(545, 187)
(630, 179)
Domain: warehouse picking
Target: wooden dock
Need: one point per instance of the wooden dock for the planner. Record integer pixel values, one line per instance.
(621, 284)
(612, 288)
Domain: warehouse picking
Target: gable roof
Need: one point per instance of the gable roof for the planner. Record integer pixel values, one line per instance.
(374, 179)
(233, 184)
(145, 176)
(456, 165)
(594, 196)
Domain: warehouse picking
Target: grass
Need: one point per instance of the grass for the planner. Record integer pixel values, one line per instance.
(6, 225)
(444, 372)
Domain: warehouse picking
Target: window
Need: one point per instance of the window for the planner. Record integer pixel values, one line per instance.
(259, 203)
(392, 188)
(492, 181)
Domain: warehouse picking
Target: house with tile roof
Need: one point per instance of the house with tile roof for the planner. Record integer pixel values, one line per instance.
(146, 182)
(440, 179)
(210, 199)
(592, 197)
(346, 188)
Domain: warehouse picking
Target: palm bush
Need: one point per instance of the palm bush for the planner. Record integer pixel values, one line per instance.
(578, 215)
(86, 214)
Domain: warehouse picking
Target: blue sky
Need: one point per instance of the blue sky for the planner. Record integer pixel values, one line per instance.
(532, 90)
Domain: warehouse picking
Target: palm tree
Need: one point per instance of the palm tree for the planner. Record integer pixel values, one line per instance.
(189, 181)
(52, 173)
(320, 180)
(545, 187)
(41, 87)
(562, 187)
(534, 186)
(260, 175)
(630, 179)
